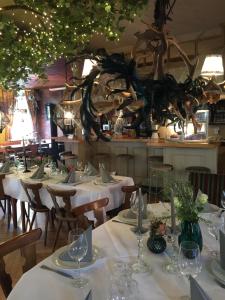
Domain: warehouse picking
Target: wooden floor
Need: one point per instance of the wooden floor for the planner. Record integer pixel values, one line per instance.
(13, 261)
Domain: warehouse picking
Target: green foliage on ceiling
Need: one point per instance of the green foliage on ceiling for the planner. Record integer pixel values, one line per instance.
(35, 33)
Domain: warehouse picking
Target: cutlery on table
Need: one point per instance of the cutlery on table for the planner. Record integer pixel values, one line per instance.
(44, 267)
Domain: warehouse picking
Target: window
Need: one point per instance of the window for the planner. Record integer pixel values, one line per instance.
(22, 125)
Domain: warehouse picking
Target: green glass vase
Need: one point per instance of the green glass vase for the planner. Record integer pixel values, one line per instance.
(191, 231)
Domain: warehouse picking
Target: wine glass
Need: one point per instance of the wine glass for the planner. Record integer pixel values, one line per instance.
(215, 224)
(172, 265)
(222, 199)
(77, 249)
(189, 259)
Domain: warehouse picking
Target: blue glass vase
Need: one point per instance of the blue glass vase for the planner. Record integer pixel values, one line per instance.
(191, 231)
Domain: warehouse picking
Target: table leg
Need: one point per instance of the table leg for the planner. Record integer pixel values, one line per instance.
(14, 211)
(23, 213)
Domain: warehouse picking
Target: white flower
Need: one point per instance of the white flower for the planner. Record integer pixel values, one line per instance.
(176, 201)
(203, 199)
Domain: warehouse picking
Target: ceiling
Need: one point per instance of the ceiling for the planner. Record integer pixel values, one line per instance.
(190, 18)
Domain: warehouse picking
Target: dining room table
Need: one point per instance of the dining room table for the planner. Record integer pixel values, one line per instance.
(116, 242)
(88, 189)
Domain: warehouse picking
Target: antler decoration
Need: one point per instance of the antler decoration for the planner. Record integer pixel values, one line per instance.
(159, 96)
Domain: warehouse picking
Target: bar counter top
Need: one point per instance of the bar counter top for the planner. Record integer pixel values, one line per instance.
(149, 142)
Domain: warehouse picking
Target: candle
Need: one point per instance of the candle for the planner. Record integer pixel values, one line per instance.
(140, 207)
(173, 212)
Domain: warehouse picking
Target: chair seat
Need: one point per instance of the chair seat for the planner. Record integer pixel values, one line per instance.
(198, 169)
(42, 208)
(162, 167)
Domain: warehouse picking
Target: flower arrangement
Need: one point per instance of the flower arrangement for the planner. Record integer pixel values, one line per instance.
(187, 205)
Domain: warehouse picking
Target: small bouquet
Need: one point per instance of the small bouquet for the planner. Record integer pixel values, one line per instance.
(187, 205)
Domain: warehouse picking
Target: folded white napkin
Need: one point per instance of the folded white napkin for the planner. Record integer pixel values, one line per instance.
(90, 170)
(39, 173)
(5, 167)
(70, 178)
(88, 257)
(105, 176)
(197, 293)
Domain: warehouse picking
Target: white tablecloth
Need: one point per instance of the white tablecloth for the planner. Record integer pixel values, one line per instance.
(85, 192)
(116, 240)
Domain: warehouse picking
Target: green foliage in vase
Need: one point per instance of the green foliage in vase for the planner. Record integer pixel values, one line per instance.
(35, 33)
(186, 204)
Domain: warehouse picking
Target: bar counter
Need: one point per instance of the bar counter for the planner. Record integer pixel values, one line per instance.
(176, 153)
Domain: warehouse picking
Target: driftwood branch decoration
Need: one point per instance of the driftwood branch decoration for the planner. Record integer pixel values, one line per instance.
(159, 97)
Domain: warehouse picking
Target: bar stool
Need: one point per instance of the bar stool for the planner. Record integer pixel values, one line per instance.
(197, 169)
(67, 157)
(157, 179)
(126, 158)
(102, 157)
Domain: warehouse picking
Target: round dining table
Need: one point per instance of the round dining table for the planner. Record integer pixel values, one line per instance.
(117, 242)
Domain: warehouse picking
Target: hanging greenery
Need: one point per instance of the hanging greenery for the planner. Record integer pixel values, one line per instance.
(35, 33)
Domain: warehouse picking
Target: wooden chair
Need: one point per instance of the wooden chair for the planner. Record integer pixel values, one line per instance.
(98, 209)
(24, 242)
(128, 190)
(62, 214)
(210, 184)
(6, 200)
(35, 203)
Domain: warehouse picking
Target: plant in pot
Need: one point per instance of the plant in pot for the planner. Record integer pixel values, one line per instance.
(188, 208)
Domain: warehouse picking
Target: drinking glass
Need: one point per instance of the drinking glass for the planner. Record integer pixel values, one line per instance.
(77, 249)
(215, 223)
(222, 199)
(189, 259)
(172, 265)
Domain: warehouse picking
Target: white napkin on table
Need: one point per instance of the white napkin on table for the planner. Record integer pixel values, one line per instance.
(197, 293)
(105, 176)
(39, 173)
(88, 257)
(5, 167)
(70, 178)
(90, 170)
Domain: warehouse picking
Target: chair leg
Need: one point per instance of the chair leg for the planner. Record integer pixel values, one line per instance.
(9, 211)
(52, 217)
(2, 207)
(32, 221)
(14, 211)
(69, 226)
(46, 227)
(57, 235)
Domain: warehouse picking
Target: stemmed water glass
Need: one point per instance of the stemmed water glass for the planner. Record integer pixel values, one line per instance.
(77, 249)
(189, 261)
(171, 266)
(222, 200)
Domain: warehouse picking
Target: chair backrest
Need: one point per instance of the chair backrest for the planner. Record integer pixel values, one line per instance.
(128, 190)
(2, 193)
(65, 196)
(96, 206)
(34, 188)
(24, 242)
(210, 184)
